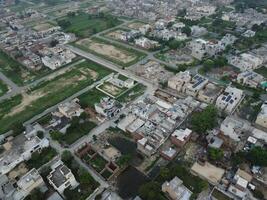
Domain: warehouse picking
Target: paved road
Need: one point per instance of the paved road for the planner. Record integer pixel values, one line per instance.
(14, 89)
(110, 65)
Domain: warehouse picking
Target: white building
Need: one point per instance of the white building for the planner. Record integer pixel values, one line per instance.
(176, 190)
(19, 149)
(245, 61)
(56, 57)
(71, 109)
(234, 127)
(146, 43)
(229, 99)
(61, 177)
(179, 80)
(250, 78)
(28, 183)
(108, 107)
(262, 116)
(241, 182)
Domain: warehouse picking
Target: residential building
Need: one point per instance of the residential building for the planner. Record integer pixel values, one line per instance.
(70, 109)
(108, 107)
(181, 137)
(176, 190)
(262, 116)
(197, 83)
(28, 183)
(7, 188)
(144, 147)
(245, 61)
(240, 184)
(146, 43)
(61, 177)
(168, 153)
(234, 127)
(179, 80)
(250, 78)
(198, 48)
(229, 99)
(56, 57)
(209, 93)
(19, 149)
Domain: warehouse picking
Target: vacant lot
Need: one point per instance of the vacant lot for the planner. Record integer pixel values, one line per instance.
(84, 25)
(111, 89)
(43, 27)
(135, 25)
(113, 52)
(23, 107)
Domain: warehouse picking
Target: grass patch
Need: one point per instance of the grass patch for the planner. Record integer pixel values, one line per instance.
(262, 71)
(106, 174)
(132, 94)
(85, 25)
(98, 163)
(75, 132)
(91, 97)
(49, 93)
(39, 159)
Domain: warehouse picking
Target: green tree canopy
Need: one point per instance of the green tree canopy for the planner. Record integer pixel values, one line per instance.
(204, 120)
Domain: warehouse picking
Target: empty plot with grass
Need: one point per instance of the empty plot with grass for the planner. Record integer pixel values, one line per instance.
(23, 107)
(110, 51)
(84, 25)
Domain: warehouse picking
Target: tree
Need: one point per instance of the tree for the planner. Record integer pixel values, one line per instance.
(215, 154)
(54, 43)
(205, 120)
(186, 30)
(151, 191)
(208, 65)
(175, 44)
(36, 194)
(64, 23)
(85, 178)
(124, 160)
(56, 135)
(66, 157)
(257, 156)
(40, 134)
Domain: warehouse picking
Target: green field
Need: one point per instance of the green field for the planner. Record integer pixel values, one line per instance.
(23, 107)
(110, 51)
(75, 131)
(3, 88)
(262, 71)
(132, 94)
(14, 70)
(84, 25)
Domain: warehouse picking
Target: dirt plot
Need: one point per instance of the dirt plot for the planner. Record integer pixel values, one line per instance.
(42, 27)
(117, 35)
(108, 50)
(135, 25)
(111, 89)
